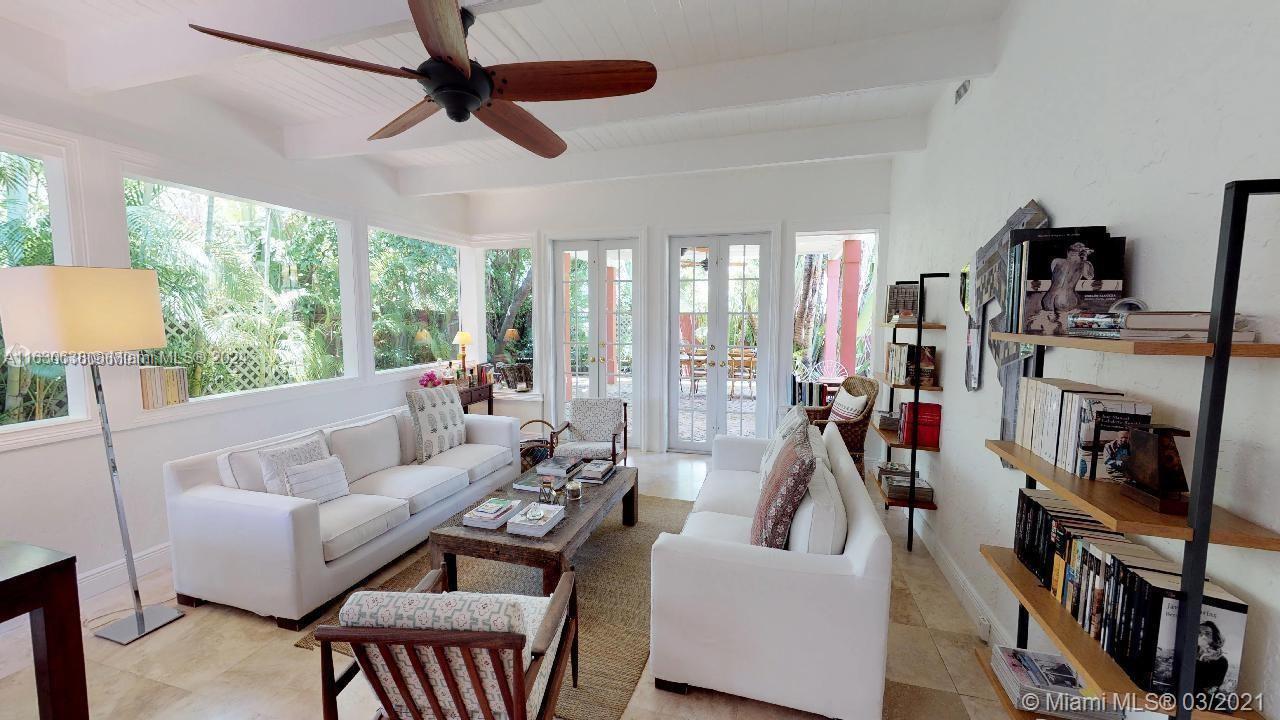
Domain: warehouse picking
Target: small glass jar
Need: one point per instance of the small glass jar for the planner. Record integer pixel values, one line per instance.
(546, 490)
(573, 490)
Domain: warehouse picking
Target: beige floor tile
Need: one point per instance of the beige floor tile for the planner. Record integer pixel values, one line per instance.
(902, 607)
(983, 709)
(914, 660)
(113, 695)
(957, 651)
(908, 702)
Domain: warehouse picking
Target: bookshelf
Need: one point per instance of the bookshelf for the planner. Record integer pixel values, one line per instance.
(890, 439)
(1205, 524)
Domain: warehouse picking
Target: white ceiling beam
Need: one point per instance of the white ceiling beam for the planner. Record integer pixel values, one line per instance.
(926, 57)
(831, 142)
(164, 48)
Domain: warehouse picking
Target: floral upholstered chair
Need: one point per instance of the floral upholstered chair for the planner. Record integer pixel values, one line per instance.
(455, 656)
(593, 430)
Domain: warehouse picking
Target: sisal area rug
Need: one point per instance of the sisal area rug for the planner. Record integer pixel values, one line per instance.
(613, 602)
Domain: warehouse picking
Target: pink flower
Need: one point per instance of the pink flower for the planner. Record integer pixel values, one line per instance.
(429, 379)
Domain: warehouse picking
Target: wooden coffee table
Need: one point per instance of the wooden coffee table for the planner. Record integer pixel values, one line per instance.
(553, 552)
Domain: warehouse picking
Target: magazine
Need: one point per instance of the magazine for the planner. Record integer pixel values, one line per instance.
(533, 483)
(1039, 681)
(596, 470)
(1065, 270)
(559, 466)
(491, 514)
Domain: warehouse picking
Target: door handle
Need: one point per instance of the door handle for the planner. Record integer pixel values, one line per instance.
(712, 348)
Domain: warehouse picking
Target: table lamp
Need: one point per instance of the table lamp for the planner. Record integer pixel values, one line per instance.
(511, 335)
(462, 340)
(67, 311)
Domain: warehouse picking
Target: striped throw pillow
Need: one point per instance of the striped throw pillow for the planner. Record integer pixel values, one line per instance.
(322, 480)
(847, 406)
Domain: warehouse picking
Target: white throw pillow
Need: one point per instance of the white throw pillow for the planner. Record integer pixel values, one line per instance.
(278, 459)
(322, 480)
(821, 524)
(847, 406)
(438, 419)
(367, 448)
(792, 421)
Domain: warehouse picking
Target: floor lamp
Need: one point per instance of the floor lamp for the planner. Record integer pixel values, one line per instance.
(80, 315)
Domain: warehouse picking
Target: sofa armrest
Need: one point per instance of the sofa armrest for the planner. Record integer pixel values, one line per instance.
(737, 453)
(494, 430)
(250, 549)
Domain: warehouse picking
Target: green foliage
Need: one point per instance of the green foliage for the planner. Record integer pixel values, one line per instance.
(509, 303)
(415, 295)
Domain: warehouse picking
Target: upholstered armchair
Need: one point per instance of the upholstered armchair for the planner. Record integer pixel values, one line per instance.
(593, 430)
(852, 431)
(471, 656)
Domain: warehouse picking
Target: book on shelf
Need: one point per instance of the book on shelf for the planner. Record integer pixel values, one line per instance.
(163, 386)
(491, 514)
(1056, 419)
(899, 488)
(1125, 596)
(929, 423)
(1239, 336)
(887, 421)
(559, 466)
(596, 471)
(901, 302)
(533, 483)
(889, 467)
(522, 524)
(1101, 445)
(1152, 325)
(901, 366)
(1063, 270)
(1037, 681)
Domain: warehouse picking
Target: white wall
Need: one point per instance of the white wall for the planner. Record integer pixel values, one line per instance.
(1132, 115)
(781, 201)
(57, 493)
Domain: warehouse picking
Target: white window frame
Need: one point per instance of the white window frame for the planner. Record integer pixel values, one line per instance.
(483, 244)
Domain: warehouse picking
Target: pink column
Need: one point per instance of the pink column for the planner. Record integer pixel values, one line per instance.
(831, 349)
(852, 259)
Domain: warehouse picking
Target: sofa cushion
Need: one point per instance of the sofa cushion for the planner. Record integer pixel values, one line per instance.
(322, 480)
(480, 461)
(783, 490)
(586, 449)
(455, 611)
(820, 523)
(366, 448)
(243, 469)
(718, 526)
(351, 521)
(733, 492)
(795, 419)
(438, 420)
(421, 485)
(274, 461)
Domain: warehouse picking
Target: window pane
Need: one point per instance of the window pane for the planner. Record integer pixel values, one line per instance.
(250, 292)
(509, 304)
(414, 284)
(29, 392)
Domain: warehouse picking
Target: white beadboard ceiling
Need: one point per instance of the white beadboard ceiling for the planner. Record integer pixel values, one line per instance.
(675, 35)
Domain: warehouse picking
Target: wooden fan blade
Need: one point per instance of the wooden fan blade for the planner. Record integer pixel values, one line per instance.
(517, 125)
(310, 54)
(407, 119)
(439, 24)
(572, 79)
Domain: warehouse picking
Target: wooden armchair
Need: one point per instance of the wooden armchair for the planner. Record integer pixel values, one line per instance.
(592, 432)
(468, 674)
(853, 431)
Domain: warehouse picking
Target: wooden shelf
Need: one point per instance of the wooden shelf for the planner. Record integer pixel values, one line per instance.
(896, 386)
(890, 438)
(1105, 502)
(891, 502)
(1141, 347)
(910, 325)
(984, 662)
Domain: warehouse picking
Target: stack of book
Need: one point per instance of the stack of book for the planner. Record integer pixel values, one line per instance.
(887, 421)
(559, 466)
(163, 386)
(522, 524)
(898, 487)
(1040, 682)
(533, 483)
(1060, 270)
(1072, 424)
(1125, 596)
(1160, 325)
(491, 514)
(596, 472)
(929, 424)
(901, 366)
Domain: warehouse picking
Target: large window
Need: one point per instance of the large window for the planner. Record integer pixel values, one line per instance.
(250, 291)
(415, 296)
(508, 303)
(28, 393)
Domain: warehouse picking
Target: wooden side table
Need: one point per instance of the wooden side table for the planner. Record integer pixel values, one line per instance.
(476, 394)
(42, 582)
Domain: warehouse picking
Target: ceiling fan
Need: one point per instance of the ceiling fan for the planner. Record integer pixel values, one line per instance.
(463, 87)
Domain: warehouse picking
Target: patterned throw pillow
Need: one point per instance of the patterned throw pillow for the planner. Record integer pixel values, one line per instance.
(437, 419)
(784, 488)
(322, 480)
(847, 406)
(275, 461)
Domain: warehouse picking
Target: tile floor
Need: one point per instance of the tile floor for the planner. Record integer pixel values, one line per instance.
(221, 663)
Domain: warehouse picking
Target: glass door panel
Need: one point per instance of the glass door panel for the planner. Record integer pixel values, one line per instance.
(576, 356)
(693, 331)
(616, 344)
(742, 340)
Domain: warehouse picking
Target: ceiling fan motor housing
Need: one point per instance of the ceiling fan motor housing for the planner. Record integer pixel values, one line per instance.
(450, 89)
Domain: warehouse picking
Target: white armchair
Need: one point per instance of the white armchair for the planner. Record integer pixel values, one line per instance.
(593, 430)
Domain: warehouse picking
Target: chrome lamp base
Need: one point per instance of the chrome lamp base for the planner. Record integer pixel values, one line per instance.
(127, 629)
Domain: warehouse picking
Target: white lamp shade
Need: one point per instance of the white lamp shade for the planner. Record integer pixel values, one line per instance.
(58, 309)
(462, 338)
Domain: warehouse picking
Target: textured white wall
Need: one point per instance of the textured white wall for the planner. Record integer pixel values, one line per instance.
(1134, 115)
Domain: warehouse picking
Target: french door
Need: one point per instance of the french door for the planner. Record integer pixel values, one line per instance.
(595, 355)
(714, 370)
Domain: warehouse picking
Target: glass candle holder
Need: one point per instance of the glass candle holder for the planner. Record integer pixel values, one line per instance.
(573, 490)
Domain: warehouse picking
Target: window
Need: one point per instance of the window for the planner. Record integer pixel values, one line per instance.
(508, 303)
(415, 296)
(250, 291)
(28, 393)
(834, 279)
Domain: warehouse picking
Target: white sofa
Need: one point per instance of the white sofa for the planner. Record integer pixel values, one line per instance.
(798, 629)
(285, 557)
